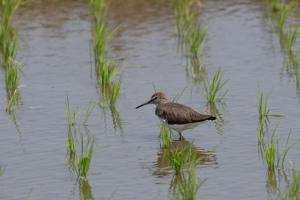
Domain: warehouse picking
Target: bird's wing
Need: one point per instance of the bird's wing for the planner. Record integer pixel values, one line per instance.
(175, 113)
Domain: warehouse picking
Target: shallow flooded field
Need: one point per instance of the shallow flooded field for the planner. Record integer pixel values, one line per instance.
(56, 50)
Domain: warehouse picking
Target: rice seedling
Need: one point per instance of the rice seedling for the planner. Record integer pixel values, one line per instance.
(71, 141)
(293, 189)
(8, 44)
(85, 157)
(188, 186)
(261, 132)
(177, 160)
(263, 128)
(117, 123)
(71, 118)
(106, 70)
(273, 156)
(100, 45)
(115, 92)
(191, 37)
(85, 190)
(88, 112)
(272, 151)
(284, 12)
(198, 72)
(12, 79)
(182, 12)
(180, 157)
(76, 117)
(293, 63)
(286, 149)
(275, 5)
(271, 181)
(109, 84)
(212, 88)
(290, 37)
(195, 40)
(165, 135)
(71, 147)
(8, 9)
(263, 107)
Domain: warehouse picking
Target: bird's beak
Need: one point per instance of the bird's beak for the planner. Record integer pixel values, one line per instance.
(146, 103)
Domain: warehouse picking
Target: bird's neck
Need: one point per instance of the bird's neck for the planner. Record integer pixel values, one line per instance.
(163, 102)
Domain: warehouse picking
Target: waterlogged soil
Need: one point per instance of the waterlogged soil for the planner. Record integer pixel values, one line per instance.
(128, 163)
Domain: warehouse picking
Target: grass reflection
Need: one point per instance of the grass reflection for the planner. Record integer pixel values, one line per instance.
(163, 164)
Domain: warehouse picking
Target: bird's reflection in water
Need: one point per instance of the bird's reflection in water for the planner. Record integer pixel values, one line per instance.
(163, 167)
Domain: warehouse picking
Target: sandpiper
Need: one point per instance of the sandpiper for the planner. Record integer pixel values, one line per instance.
(177, 116)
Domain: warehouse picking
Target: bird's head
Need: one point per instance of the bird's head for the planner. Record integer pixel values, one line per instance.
(156, 98)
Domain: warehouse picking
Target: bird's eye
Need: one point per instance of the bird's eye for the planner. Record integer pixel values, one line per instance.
(155, 97)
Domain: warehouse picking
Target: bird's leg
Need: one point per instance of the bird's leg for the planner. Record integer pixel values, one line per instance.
(180, 136)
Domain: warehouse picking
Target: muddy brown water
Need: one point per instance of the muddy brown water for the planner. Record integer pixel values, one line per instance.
(129, 164)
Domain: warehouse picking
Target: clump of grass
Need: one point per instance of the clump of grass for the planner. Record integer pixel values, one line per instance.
(272, 151)
(86, 143)
(284, 12)
(12, 79)
(189, 185)
(165, 135)
(183, 15)
(290, 37)
(115, 115)
(76, 117)
(191, 35)
(275, 5)
(85, 157)
(180, 157)
(261, 132)
(294, 61)
(115, 92)
(177, 159)
(271, 181)
(213, 88)
(195, 41)
(106, 70)
(273, 156)
(286, 149)
(8, 44)
(71, 147)
(293, 189)
(85, 190)
(100, 33)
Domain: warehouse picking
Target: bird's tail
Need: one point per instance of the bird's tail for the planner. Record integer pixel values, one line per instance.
(211, 118)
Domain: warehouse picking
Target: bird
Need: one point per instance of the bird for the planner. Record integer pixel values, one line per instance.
(176, 116)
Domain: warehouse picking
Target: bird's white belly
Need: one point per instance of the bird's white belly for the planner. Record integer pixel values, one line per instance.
(182, 127)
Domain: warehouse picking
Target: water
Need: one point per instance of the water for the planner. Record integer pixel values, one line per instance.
(128, 164)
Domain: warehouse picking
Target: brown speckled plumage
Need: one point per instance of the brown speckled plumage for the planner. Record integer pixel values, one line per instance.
(175, 113)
